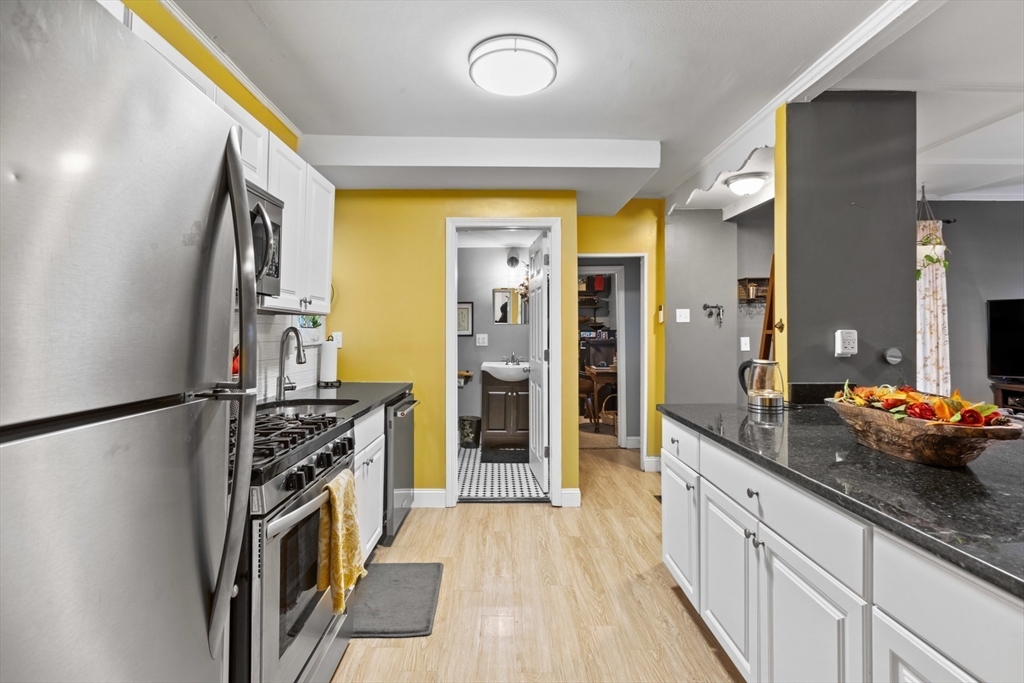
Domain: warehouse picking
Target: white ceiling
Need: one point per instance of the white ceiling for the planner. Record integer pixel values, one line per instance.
(966, 63)
(686, 74)
(506, 237)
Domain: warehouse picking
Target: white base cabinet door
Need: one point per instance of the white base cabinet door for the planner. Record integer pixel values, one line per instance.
(898, 656)
(369, 474)
(728, 577)
(812, 627)
(680, 501)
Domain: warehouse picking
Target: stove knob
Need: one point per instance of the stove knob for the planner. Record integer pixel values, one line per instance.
(324, 459)
(309, 471)
(338, 449)
(295, 480)
(350, 444)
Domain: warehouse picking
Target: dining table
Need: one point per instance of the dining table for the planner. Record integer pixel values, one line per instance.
(601, 375)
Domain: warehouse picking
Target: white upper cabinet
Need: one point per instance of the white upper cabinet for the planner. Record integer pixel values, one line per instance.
(286, 180)
(319, 247)
(255, 139)
(175, 58)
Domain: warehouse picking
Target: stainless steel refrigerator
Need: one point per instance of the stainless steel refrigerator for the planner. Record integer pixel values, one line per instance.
(122, 204)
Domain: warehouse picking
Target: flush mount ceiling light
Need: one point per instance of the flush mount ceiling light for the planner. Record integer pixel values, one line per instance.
(512, 65)
(746, 184)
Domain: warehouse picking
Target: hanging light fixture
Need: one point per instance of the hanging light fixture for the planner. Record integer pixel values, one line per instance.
(512, 65)
(746, 184)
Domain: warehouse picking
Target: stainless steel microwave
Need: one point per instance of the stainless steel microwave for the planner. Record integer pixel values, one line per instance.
(265, 212)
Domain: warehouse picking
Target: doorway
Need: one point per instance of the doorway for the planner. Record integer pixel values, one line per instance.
(503, 434)
(613, 308)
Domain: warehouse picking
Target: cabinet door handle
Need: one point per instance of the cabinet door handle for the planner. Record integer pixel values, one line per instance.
(674, 440)
(753, 492)
(756, 542)
(747, 533)
(689, 486)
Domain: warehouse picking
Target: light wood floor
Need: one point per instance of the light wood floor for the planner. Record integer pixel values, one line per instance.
(535, 593)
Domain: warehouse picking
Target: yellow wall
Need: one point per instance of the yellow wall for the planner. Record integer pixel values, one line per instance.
(780, 341)
(389, 280)
(639, 228)
(164, 23)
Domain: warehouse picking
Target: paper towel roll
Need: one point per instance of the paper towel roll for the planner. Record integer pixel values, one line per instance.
(329, 361)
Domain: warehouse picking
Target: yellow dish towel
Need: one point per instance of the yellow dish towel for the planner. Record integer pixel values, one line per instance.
(340, 552)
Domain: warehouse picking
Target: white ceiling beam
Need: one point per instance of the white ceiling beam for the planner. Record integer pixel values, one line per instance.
(972, 128)
(888, 22)
(925, 86)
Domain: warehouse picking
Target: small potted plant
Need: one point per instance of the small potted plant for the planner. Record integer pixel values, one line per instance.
(311, 328)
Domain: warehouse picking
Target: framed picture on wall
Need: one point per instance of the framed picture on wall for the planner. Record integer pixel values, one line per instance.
(464, 318)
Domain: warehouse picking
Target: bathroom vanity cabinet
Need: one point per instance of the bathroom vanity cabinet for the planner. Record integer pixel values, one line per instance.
(506, 413)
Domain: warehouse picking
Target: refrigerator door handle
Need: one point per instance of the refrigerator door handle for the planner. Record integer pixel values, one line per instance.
(268, 253)
(244, 391)
(246, 259)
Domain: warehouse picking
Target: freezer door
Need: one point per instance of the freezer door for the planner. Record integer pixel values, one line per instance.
(110, 539)
(115, 237)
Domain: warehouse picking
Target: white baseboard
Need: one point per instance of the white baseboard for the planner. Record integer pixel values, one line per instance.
(652, 463)
(632, 442)
(571, 498)
(428, 498)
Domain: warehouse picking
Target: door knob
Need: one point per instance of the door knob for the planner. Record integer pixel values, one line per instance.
(780, 326)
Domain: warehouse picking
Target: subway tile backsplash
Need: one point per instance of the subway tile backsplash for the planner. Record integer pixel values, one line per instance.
(269, 328)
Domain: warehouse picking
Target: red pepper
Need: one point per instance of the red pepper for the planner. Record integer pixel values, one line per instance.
(992, 417)
(923, 411)
(890, 403)
(971, 417)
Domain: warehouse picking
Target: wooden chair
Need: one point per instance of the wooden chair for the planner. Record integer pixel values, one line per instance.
(587, 398)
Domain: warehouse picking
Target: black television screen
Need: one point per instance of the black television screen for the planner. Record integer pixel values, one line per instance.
(1006, 338)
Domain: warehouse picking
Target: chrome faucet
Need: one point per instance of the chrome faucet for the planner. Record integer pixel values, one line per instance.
(283, 383)
(513, 360)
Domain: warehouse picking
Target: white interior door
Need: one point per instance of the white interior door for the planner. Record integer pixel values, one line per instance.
(538, 319)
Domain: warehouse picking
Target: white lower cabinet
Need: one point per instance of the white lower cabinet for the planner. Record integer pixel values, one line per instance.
(812, 628)
(728, 577)
(680, 500)
(898, 656)
(369, 476)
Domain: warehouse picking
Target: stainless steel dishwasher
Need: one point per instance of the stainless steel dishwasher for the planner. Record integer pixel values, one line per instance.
(399, 467)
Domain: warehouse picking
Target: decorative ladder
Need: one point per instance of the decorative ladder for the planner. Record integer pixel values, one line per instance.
(767, 328)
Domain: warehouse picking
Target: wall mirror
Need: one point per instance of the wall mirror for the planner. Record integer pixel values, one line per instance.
(508, 309)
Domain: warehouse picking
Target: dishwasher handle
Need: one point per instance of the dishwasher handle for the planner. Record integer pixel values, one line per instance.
(403, 409)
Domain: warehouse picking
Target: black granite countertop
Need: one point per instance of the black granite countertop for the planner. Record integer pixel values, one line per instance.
(367, 396)
(971, 516)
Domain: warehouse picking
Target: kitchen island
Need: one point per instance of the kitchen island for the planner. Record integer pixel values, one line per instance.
(807, 553)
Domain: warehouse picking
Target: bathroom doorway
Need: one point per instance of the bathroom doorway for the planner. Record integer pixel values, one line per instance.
(501, 416)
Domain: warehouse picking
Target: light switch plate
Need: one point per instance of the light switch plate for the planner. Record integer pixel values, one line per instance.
(682, 315)
(744, 343)
(337, 337)
(481, 340)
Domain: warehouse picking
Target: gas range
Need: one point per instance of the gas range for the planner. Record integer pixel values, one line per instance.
(291, 451)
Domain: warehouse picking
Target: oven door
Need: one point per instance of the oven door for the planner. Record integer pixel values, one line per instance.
(293, 623)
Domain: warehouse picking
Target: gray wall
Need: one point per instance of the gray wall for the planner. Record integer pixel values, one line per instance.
(634, 311)
(480, 272)
(755, 244)
(986, 261)
(700, 267)
(851, 164)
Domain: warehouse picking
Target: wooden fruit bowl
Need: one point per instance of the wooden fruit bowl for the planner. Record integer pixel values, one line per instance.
(929, 443)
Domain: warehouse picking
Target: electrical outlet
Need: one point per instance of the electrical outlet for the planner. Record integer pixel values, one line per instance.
(481, 340)
(744, 343)
(682, 315)
(846, 343)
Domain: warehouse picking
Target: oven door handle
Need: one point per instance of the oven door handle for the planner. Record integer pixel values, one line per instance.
(268, 253)
(285, 523)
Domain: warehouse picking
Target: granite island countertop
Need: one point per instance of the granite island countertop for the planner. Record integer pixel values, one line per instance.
(971, 516)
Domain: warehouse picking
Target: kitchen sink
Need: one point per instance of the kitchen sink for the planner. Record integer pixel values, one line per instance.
(302, 406)
(506, 373)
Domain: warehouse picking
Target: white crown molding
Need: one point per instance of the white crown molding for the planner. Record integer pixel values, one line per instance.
(925, 86)
(888, 22)
(223, 58)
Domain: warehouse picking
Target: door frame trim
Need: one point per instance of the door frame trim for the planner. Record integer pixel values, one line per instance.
(622, 335)
(451, 420)
(645, 351)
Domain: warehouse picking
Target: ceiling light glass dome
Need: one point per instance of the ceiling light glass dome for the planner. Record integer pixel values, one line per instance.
(746, 184)
(512, 65)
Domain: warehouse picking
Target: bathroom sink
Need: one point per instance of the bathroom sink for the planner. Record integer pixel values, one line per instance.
(304, 406)
(506, 373)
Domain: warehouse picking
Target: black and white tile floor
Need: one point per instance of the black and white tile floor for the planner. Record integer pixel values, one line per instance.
(504, 481)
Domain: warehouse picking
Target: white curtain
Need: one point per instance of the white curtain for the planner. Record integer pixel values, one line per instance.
(932, 320)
